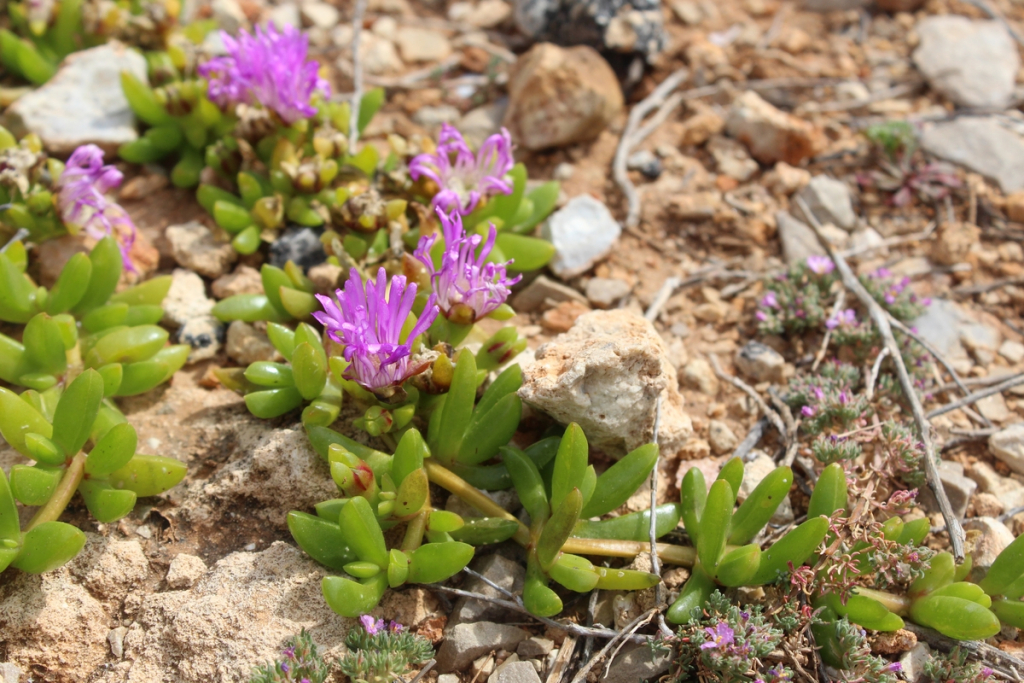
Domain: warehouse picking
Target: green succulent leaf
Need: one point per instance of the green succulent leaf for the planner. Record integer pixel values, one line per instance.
(127, 345)
(1010, 612)
(634, 526)
(18, 419)
(310, 370)
(760, 505)
(914, 532)
(955, 617)
(76, 411)
(273, 402)
(106, 503)
(34, 484)
(10, 526)
(965, 591)
(559, 528)
(484, 437)
(409, 455)
(692, 598)
(435, 562)
(457, 411)
(621, 480)
(412, 493)
(739, 565)
(320, 539)
(148, 475)
(528, 482)
(795, 547)
(398, 568)
(625, 579)
(693, 496)
(48, 546)
(152, 292)
(574, 572)
(829, 492)
(269, 374)
(444, 522)
(106, 262)
(113, 451)
(71, 285)
(17, 295)
(485, 531)
(248, 308)
(714, 524)
(538, 598)
(570, 464)
(1007, 568)
(732, 472)
(940, 572)
(362, 532)
(351, 599)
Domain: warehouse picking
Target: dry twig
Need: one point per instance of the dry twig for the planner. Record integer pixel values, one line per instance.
(749, 391)
(659, 590)
(357, 74)
(1013, 381)
(881, 320)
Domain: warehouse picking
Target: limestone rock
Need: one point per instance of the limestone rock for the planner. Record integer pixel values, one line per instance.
(771, 135)
(829, 201)
(244, 280)
(959, 488)
(194, 247)
(606, 374)
(186, 299)
(246, 344)
(982, 145)
(83, 103)
(466, 642)
(973, 63)
(986, 538)
(699, 375)
(421, 44)
(798, 240)
(185, 570)
(582, 232)
(558, 96)
(500, 570)
(1008, 446)
(204, 334)
(543, 292)
(721, 438)
(604, 292)
(637, 663)
(237, 616)
(760, 362)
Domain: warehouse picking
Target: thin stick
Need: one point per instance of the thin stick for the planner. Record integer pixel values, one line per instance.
(660, 299)
(357, 75)
(21, 234)
(636, 116)
(874, 372)
(978, 395)
(581, 675)
(881, 320)
(749, 391)
(840, 302)
(423, 672)
(969, 290)
(751, 439)
(659, 589)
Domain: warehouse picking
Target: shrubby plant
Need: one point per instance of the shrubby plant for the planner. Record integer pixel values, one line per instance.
(300, 662)
(381, 653)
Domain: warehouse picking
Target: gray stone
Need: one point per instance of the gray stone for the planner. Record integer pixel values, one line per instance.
(981, 340)
(624, 26)
(646, 162)
(582, 232)
(204, 334)
(466, 642)
(829, 201)
(1012, 351)
(320, 14)
(246, 344)
(186, 299)
(514, 672)
(637, 662)
(83, 103)
(1010, 492)
(825, 6)
(448, 678)
(986, 538)
(983, 146)
(500, 570)
(194, 246)
(480, 123)
(418, 44)
(798, 240)
(959, 488)
(912, 662)
(1008, 446)
(973, 63)
(301, 245)
(605, 292)
(699, 375)
(244, 280)
(116, 640)
(940, 325)
(760, 362)
(432, 116)
(535, 648)
(9, 673)
(721, 438)
(544, 292)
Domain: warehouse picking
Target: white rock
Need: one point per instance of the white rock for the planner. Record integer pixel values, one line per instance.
(204, 334)
(829, 201)
(699, 375)
(754, 473)
(228, 14)
(186, 299)
(982, 145)
(284, 15)
(990, 538)
(1008, 446)
(83, 103)
(582, 232)
(320, 14)
(379, 55)
(543, 292)
(1010, 492)
(771, 135)
(604, 292)
(484, 14)
(784, 179)
(721, 438)
(606, 374)
(194, 246)
(913, 661)
(116, 640)
(246, 344)
(185, 570)
(432, 116)
(480, 123)
(422, 44)
(760, 362)
(959, 488)
(732, 158)
(1012, 351)
(466, 642)
(973, 63)
(994, 408)
(244, 280)
(866, 240)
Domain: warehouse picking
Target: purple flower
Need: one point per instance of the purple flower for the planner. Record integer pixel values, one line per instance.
(719, 636)
(987, 671)
(82, 201)
(769, 300)
(284, 667)
(894, 667)
(467, 287)
(395, 627)
(369, 323)
(289, 652)
(847, 318)
(820, 265)
(761, 315)
(372, 626)
(808, 411)
(268, 68)
(464, 178)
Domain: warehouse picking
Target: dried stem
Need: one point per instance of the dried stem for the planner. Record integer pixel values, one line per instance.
(357, 75)
(978, 395)
(749, 391)
(61, 496)
(881, 320)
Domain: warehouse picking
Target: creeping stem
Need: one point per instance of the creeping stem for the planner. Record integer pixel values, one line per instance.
(897, 604)
(62, 494)
(414, 530)
(447, 479)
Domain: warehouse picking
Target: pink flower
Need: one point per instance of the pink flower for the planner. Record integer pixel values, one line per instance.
(467, 287)
(465, 178)
(808, 411)
(82, 200)
(372, 626)
(820, 265)
(769, 300)
(719, 636)
(847, 318)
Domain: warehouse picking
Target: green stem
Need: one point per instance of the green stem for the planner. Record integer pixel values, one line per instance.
(447, 479)
(414, 530)
(897, 604)
(62, 495)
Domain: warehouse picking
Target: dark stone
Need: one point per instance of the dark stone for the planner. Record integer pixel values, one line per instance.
(625, 27)
(301, 245)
